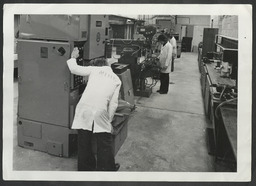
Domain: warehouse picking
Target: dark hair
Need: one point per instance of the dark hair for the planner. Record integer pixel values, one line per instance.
(169, 36)
(162, 37)
(98, 62)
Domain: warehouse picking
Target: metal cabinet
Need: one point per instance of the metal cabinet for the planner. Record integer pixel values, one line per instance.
(209, 40)
(48, 95)
(98, 33)
(48, 92)
(44, 81)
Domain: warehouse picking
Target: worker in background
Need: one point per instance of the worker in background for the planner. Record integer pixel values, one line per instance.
(94, 114)
(155, 44)
(174, 49)
(165, 59)
(165, 31)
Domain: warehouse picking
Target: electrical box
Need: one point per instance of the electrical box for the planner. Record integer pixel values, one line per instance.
(98, 33)
(47, 90)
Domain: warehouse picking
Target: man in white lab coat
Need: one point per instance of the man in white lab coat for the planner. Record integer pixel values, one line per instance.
(94, 114)
(165, 59)
(174, 50)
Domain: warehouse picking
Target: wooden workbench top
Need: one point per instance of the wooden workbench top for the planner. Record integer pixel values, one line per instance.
(215, 77)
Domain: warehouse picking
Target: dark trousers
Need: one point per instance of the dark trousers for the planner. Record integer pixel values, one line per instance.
(104, 159)
(172, 65)
(164, 80)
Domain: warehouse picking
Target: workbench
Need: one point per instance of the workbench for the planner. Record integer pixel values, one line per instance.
(224, 127)
(215, 77)
(216, 90)
(229, 118)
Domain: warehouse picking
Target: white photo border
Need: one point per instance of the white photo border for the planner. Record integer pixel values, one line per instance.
(244, 159)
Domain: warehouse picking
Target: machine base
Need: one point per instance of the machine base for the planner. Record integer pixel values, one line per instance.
(52, 139)
(60, 141)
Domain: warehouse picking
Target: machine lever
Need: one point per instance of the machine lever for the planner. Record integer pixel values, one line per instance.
(61, 51)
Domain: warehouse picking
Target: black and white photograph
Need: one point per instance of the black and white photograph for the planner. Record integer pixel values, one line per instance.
(109, 92)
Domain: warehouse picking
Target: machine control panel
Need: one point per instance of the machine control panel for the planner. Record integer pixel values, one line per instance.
(77, 80)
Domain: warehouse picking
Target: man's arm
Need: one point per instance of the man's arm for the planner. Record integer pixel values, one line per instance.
(76, 69)
(113, 103)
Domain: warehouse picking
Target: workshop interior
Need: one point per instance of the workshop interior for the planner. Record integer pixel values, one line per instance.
(192, 128)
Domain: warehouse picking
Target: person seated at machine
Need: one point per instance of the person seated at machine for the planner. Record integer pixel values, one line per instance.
(94, 114)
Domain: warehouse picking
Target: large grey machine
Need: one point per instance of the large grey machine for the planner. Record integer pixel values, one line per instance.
(48, 93)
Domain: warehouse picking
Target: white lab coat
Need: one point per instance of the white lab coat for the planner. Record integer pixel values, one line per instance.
(174, 45)
(98, 104)
(165, 57)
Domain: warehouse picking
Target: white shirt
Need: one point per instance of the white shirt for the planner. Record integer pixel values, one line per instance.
(165, 57)
(174, 45)
(98, 104)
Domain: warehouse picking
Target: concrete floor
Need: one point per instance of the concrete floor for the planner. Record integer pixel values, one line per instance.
(165, 133)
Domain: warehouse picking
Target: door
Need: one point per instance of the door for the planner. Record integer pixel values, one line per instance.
(197, 36)
(44, 81)
(190, 31)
